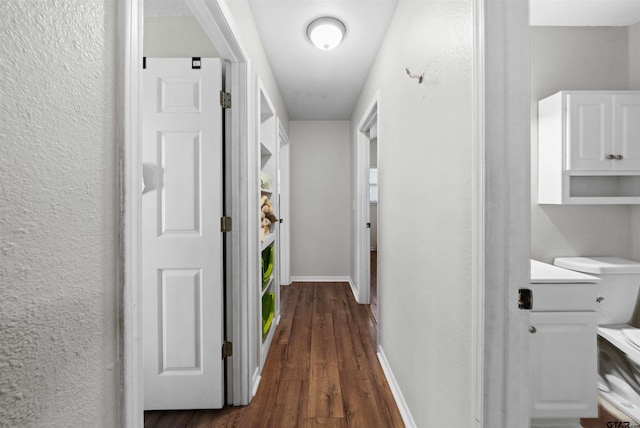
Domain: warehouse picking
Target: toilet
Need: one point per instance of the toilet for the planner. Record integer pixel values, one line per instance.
(618, 341)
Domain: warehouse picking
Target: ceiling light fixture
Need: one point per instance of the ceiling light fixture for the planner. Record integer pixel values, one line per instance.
(326, 32)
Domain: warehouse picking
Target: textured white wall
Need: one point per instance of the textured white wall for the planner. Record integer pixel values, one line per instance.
(58, 214)
(176, 37)
(576, 58)
(424, 134)
(320, 198)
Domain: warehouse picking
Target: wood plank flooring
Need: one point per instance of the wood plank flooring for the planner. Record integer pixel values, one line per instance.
(322, 370)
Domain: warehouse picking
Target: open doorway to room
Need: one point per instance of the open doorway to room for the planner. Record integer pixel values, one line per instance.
(373, 220)
(219, 40)
(368, 197)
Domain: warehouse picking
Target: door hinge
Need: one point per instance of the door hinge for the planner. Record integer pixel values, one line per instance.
(525, 299)
(227, 349)
(368, 225)
(225, 224)
(196, 63)
(225, 99)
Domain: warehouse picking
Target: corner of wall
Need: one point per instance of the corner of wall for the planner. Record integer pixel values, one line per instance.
(634, 56)
(635, 233)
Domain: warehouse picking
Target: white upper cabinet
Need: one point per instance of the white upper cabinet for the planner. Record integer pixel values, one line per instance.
(603, 130)
(626, 131)
(589, 148)
(589, 131)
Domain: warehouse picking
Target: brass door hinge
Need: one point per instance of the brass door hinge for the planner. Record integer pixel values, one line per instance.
(225, 99)
(227, 349)
(225, 224)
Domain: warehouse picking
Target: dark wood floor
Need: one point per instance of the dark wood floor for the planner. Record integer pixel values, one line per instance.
(322, 370)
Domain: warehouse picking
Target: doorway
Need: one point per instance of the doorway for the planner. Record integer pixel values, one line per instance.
(368, 198)
(503, 94)
(213, 16)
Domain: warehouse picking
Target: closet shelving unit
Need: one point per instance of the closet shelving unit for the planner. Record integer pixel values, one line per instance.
(268, 285)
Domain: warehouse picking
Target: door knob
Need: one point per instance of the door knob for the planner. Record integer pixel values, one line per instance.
(619, 157)
(532, 329)
(611, 156)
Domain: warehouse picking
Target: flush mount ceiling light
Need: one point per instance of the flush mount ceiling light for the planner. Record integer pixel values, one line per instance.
(326, 32)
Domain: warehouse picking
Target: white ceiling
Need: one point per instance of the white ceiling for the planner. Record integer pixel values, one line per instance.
(315, 84)
(319, 85)
(584, 13)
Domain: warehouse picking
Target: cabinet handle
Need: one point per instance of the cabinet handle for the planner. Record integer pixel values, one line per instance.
(619, 157)
(532, 329)
(599, 299)
(611, 157)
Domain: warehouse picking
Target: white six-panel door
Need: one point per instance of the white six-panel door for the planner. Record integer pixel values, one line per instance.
(181, 238)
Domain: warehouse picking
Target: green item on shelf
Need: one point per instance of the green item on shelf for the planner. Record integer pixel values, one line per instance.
(267, 264)
(268, 310)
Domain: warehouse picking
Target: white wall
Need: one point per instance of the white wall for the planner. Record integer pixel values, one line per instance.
(320, 198)
(58, 214)
(424, 251)
(634, 83)
(176, 37)
(576, 58)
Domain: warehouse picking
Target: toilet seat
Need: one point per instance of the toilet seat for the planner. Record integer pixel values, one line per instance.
(619, 334)
(632, 335)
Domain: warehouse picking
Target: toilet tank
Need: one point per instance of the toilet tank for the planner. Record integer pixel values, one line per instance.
(618, 290)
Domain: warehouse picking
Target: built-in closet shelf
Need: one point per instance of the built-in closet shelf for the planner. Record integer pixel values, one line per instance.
(268, 240)
(264, 150)
(264, 116)
(267, 291)
(268, 338)
(267, 286)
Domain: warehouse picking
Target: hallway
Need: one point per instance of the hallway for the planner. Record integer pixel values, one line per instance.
(322, 370)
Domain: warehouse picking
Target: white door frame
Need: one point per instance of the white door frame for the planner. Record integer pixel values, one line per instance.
(216, 20)
(363, 245)
(284, 211)
(501, 212)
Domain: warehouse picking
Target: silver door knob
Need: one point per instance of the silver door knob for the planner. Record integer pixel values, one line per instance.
(532, 329)
(611, 157)
(619, 157)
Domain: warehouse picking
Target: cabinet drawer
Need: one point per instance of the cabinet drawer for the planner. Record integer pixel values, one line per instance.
(564, 297)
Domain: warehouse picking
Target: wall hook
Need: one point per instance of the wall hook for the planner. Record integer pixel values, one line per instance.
(420, 77)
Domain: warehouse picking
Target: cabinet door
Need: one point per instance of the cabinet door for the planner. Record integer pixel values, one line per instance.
(626, 108)
(589, 131)
(563, 365)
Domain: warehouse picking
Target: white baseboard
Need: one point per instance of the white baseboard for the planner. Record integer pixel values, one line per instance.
(255, 382)
(354, 290)
(320, 279)
(395, 390)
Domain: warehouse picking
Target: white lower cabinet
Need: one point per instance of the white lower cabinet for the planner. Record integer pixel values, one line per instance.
(563, 368)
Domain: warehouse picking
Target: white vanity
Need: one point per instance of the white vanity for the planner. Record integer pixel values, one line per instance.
(563, 335)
